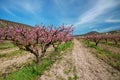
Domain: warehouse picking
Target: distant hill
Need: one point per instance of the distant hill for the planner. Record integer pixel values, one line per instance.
(4, 23)
(89, 33)
(114, 32)
(92, 32)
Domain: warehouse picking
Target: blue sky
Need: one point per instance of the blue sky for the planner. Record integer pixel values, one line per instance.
(85, 15)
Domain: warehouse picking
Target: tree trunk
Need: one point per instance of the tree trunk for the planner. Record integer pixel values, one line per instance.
(106, 40)
(35, 53)
(115, 41)
(37, 59)
(97, 42)
(55, 48)
(42, 55)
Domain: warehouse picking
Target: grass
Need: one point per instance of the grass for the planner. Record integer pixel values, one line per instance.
(75, 76)
(111, 44)
(6, 45)
(12, 53)
(104, 54)
(31, 72)
(64, 47)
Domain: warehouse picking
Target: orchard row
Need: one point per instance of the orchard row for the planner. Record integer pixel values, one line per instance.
(36, 39)
(106, 38)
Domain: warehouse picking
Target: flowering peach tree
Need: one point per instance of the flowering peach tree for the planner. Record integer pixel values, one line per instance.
(36, 38)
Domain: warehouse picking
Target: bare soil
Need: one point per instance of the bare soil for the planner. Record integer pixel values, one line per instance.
(9, 65)
(80, 62)
(5, 51)
(61, 70)
(90, 67)
(110, 48)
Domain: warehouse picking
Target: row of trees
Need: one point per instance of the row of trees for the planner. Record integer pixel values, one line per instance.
(98, 38)
(36, 39)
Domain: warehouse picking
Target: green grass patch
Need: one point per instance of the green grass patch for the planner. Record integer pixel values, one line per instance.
(111, 44)
(75, 76)
(12, 53)
(6, 45)
(31, 72)
(63, 47)
(106, 55)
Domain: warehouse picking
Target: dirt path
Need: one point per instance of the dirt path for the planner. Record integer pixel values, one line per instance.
(91, 68)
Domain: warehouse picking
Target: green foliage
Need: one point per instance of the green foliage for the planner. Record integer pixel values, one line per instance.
(31, 72)
(70, 78)
(12, 53)
(63, 47)
(2, 55)
(111, 44)
(75, 74)
(75, 77)
(6, 45)
(106, 55)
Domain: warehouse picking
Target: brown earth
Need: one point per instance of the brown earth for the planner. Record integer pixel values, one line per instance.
(91, 68)
(61, 70)
(5, 51)
(79, 62)
(88, 66)
(8, 65)
(112, 49)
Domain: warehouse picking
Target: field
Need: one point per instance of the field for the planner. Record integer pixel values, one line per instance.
(61, 57)
(108, 52)
(16, 63)
(68, 64)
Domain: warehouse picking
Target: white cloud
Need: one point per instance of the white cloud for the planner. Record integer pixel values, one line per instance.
(8, 11)
(63, 6)
(95, 30)
(109, 28)
(24, 6)
(30, 6)
(100, 7)
(112, 20)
